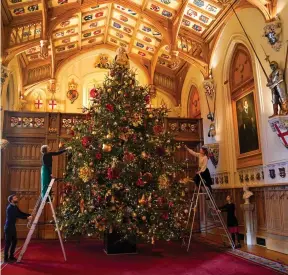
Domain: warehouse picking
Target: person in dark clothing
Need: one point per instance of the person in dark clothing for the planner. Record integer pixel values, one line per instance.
(12, 214)
(46, 169)
(232, 222)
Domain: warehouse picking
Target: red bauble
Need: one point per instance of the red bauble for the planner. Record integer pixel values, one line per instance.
(165, 216)
(157, 129)
(94, 93)
(98, 156)
(112, 173)
(147, 99)
(110, 107)
(86, 141)
(128, 157)
(140, 182)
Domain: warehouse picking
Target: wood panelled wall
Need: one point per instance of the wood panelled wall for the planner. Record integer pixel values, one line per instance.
(21, 160)
(271, 204)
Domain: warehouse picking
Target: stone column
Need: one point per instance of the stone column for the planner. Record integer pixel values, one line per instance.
(250, 223)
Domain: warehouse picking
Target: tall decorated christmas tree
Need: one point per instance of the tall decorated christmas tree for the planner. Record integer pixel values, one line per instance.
(121, 174)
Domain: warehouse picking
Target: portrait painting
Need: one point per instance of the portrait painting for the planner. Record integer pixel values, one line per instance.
(247, 124)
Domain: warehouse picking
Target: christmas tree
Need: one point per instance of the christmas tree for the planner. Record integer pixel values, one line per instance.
(121, 175)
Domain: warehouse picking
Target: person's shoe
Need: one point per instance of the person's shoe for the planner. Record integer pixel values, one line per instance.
(6, 260)
(238, 245)
(13, 259)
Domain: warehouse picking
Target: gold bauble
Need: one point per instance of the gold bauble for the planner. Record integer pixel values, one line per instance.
(107, 148)
(150, 115)
(144, 155)
(109, 136)
(134, 215)
(144, 218)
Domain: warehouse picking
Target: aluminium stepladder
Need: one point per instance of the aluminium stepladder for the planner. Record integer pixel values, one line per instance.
(214, 211)
(41, 204)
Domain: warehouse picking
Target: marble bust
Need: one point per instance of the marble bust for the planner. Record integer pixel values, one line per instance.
(247, 194)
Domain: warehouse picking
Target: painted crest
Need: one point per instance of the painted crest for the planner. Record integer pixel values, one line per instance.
(213, 150)
(272, 32)
(282, 172)
(209, 87)
(272, 173)
(279, 125)
(102, 61)
(72, 93)
(241, 178)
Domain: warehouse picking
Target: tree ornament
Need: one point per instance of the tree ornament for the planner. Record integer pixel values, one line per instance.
(86, 141)
(94, 93)
(110, 107)
(142, 201)
(107, 148)
(98, 156)
(163, 182)
(144, 218)
(85, 173)
(82, 206)
(144, 155)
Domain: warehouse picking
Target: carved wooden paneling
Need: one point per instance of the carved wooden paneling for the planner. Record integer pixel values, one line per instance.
(37, 74)
(25, 183)
(260, 204)
(191, 47)
(28, 152)
(164, 81)
(276, 207)
(25, 33)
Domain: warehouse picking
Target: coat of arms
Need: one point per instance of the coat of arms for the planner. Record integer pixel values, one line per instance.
(282, 172)
(72, 93)
(272, 32)
(209, 87)
(102, 61)
(272, 173)
(279, 125)
(213, 150)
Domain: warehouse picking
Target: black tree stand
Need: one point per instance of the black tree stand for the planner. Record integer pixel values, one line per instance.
(116, 244)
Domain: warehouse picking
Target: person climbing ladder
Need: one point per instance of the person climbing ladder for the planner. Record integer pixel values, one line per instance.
(46, 169)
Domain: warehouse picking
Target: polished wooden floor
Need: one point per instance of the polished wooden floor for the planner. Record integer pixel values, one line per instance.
(256, 250)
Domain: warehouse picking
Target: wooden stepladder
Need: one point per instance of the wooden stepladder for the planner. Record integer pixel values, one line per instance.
(38, 209)
(218, 221)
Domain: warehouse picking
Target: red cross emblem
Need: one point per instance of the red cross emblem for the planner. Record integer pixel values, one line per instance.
(38, 103)
(282, 135)
(52, 104)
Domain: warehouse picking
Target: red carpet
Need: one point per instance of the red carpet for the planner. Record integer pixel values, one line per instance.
(88, 257)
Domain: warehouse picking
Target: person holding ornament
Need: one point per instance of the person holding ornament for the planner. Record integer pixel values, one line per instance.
(202, 167)
(46, 169)
(232, 222)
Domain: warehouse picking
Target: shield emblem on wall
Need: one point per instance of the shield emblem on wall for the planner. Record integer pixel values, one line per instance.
(279, 126)
(282, 172)
(272, 173)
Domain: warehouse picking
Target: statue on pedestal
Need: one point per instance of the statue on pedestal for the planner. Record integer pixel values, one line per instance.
(278, 88)
(247, 194)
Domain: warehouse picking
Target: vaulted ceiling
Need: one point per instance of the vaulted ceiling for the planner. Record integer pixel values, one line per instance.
(155, 31)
